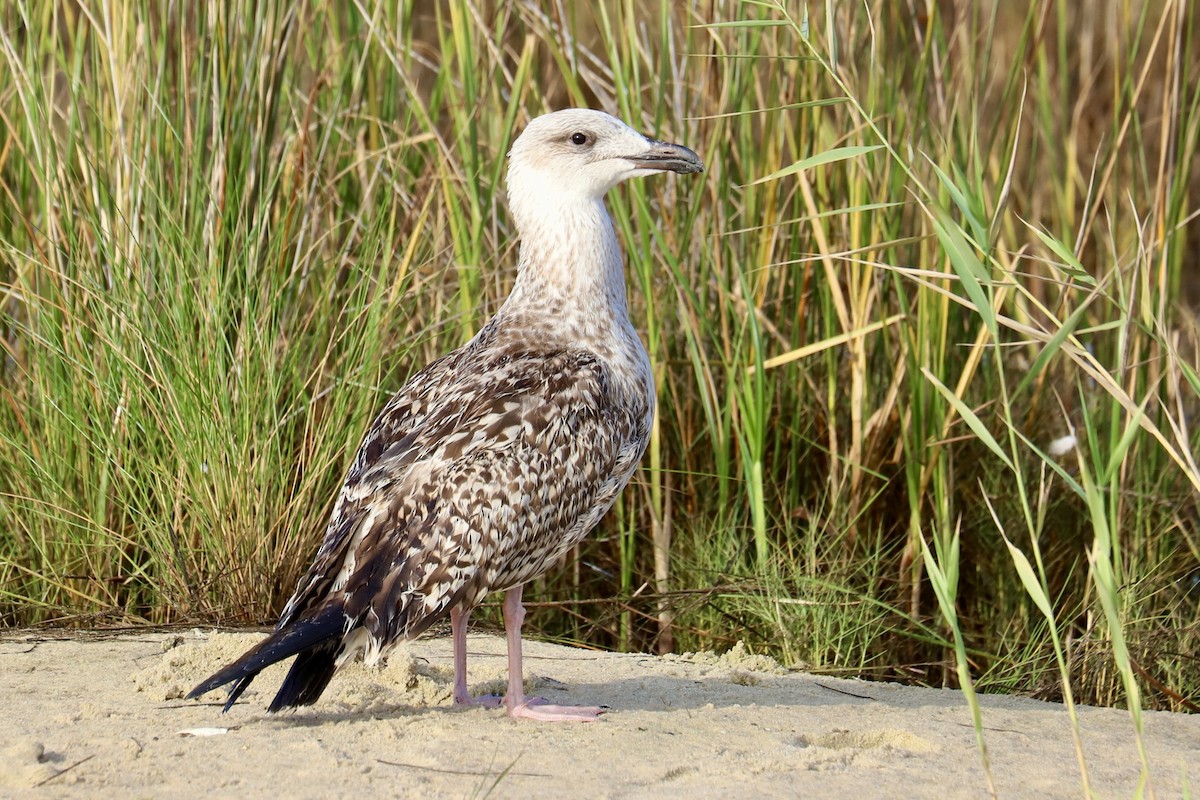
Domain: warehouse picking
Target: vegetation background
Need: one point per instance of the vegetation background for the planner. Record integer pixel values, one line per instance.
(923, 339)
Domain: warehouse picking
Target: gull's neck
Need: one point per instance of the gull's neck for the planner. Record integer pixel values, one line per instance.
(570, 266)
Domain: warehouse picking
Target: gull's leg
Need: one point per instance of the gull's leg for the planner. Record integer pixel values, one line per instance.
(522, 707)
(462, 697)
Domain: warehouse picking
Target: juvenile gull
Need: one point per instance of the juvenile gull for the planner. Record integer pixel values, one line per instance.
(491, 463)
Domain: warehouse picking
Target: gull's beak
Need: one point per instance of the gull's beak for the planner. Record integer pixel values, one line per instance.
(664, 155)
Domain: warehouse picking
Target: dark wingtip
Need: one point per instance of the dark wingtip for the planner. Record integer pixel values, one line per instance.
(221, 678)
(297, 637)
(308, 677)
(214, 681)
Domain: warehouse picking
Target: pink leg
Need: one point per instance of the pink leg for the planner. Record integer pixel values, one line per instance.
(522, 707)
(462, 697)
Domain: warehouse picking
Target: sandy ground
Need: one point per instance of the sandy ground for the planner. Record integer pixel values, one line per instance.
(102, 716)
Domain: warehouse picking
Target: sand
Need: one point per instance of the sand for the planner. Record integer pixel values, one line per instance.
(92, 715)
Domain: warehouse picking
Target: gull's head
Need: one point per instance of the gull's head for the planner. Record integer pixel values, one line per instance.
(581, 154)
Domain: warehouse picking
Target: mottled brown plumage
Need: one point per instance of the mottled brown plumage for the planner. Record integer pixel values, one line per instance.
(496, 459)
(488, 466)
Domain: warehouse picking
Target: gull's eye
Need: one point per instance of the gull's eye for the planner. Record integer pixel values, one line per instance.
(579, 138)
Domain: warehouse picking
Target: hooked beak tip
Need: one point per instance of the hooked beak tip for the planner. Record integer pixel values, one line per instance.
(663, 156)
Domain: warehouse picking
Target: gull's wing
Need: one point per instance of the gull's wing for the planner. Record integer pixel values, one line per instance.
(479, 475)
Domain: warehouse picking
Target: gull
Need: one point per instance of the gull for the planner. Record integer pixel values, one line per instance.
(493, 461)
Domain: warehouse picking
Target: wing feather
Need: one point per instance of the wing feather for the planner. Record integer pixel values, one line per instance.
(479, 475)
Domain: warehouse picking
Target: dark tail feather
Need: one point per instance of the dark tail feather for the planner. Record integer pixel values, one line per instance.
(316, 639)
